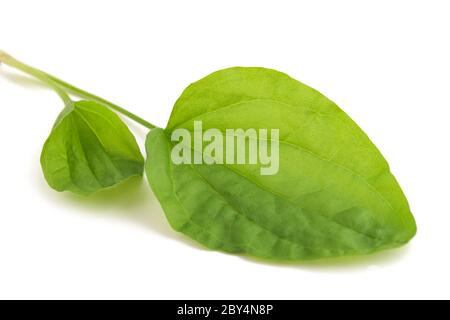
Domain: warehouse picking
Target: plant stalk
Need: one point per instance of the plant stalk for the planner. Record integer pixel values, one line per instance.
(10, 61)
(62, 88)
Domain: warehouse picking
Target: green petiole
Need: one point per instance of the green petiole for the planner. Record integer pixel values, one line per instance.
(63, 89)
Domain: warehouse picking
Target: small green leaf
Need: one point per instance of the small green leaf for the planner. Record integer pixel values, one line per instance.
(89, 149)
(333, 195)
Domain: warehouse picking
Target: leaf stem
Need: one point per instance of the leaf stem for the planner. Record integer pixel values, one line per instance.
(62, 88)
(10, 61)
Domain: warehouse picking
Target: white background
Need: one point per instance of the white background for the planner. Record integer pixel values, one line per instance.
(386, 63)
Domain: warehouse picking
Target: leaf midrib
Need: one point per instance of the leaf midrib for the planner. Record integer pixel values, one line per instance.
(330, 161)
(378, 240)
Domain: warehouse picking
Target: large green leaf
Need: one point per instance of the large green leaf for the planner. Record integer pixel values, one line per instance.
(333, 195)
(89, 148)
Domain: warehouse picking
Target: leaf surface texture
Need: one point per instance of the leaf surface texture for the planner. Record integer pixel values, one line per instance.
(334, 194)
(89, 149)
